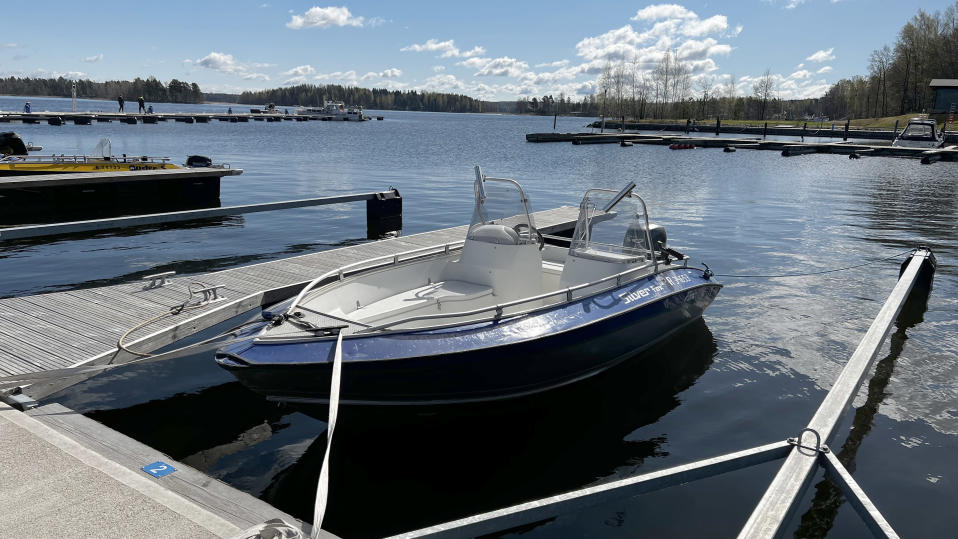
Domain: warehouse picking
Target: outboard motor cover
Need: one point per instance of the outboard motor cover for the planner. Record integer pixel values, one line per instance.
(635, 237)
(199, 161)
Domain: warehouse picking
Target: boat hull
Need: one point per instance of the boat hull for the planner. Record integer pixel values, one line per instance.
(486, 361)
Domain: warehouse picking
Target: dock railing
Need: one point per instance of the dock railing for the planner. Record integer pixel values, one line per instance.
(803, 453)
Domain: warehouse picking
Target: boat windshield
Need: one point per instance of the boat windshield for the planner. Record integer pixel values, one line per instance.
(501, 213)
(916, 131)
(607, 227)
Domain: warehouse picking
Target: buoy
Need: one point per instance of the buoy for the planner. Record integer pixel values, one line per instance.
(681, 146)
(625, 143)
(854, 155)
(729, 149)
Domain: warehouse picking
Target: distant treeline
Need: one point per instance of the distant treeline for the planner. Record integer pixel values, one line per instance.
(377, 98)
(898, 76)
(151, 89)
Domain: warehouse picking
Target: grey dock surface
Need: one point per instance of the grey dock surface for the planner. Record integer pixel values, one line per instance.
(81, 327)
(65, 475)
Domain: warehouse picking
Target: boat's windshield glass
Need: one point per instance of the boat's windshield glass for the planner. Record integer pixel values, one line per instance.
(918, 132)
(501, 213)
(620, 231)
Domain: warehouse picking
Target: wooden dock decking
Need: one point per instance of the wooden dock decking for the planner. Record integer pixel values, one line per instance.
(81, 327)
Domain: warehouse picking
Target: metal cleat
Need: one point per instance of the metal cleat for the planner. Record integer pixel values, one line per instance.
(158, 280)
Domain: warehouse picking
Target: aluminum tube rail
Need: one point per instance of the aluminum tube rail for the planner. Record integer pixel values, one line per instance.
(780, 501)
(536, 510)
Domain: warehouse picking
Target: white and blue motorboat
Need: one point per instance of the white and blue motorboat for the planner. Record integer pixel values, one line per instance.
(504, 313)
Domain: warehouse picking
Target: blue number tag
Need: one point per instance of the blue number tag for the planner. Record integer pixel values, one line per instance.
(158, 469)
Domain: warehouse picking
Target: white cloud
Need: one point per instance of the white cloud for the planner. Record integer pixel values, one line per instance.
(437, 69)
(447, 48)
(300, 71)
(256, 76)
(557, 63)
(91, 59)
(324, 17)
(822, 56)
(43, 73)
(825, 69)
(475, 51)
(792, 4)
(219, 61)
(443, 83)
(503, 67)
(801, 74)
(349, 77)
(10, 46)
(711, 25)
(385, 74)
(474, 63)
(663, 11)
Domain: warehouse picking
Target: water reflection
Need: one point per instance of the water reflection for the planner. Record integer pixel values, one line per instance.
(820, 517)
(445, 464)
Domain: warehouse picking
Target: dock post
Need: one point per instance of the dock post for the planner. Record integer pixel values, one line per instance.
(804, 128)
(718, 126)
(895, 134)
(765, 130)
(845, 137)
(687, 124)
(383, 214)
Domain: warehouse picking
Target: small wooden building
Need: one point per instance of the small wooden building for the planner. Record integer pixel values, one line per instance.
(946, 95)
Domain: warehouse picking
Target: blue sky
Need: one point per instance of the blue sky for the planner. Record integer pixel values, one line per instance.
(492, 50)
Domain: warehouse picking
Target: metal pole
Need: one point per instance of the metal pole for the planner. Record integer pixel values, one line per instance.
(74, 96)
(781, 499)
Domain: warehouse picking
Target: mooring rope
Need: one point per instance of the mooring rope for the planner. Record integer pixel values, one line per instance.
(811, 273)
(322, 486)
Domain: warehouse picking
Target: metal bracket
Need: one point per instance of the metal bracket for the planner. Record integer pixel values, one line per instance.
(819, 446)
(158, 280)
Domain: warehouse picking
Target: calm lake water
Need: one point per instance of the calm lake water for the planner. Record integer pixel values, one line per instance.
(752, 372)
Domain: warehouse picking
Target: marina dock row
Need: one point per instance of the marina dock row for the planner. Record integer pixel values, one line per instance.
(788, 148)
(88, 118)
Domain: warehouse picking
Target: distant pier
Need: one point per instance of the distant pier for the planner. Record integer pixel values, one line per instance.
(88, 118)
(786, 147)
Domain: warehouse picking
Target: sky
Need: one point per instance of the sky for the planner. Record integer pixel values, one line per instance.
(493, 50)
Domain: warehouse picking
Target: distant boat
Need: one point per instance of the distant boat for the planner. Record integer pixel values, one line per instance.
(15, 161)
(334, 110)
(920, 133)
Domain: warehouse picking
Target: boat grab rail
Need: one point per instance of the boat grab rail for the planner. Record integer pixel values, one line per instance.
(63, 158)
(392, 260)
(500, 307)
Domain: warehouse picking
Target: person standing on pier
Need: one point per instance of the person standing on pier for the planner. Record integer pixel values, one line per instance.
(120, 101)
(142, 103)
(26, 107)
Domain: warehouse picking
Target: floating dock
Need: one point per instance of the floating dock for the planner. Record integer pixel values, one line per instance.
(44, 197)
(88, 118)
(78, 477)
(787, 148)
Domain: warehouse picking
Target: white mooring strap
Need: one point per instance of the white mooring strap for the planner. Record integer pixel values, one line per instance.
(322, 487)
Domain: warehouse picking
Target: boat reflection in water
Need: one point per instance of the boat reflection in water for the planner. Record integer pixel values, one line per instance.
(417, 467)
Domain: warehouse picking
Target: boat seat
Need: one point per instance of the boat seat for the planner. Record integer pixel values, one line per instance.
(500, 234)
(442, 292)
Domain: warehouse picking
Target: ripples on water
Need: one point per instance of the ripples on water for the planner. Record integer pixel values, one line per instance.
(753, 372)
